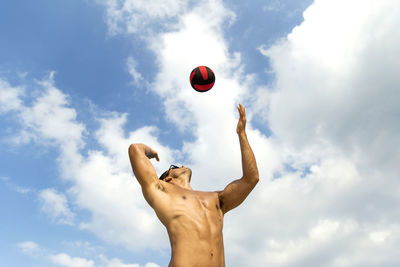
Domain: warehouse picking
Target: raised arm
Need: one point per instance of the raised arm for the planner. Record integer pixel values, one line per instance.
(237, 191)
(140, 155)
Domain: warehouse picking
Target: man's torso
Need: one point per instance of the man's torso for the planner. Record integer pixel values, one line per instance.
(194, 222)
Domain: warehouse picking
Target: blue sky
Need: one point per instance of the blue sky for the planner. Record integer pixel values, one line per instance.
(81, 80)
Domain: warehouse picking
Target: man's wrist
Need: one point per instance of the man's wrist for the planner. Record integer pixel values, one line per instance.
(242, 134)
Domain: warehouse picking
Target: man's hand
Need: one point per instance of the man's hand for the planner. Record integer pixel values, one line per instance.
(242, 119)
(150, 153)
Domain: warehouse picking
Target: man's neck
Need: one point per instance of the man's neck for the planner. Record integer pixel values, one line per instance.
(184, 185)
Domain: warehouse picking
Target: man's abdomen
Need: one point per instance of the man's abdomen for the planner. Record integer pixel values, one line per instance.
(197, 256)
(196, 243)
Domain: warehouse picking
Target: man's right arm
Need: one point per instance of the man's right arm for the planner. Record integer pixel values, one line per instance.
(140, 155)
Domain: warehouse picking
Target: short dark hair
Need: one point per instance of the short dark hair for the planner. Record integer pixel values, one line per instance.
(165, 174)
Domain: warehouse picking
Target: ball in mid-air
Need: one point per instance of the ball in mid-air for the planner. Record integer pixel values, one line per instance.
(202, 79)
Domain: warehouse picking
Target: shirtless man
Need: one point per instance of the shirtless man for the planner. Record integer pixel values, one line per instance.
(193, 219)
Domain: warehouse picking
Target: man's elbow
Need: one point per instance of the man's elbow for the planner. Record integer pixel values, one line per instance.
(253, 179)
(132, 149)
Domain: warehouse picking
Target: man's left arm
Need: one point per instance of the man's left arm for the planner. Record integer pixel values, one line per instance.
(237, 191)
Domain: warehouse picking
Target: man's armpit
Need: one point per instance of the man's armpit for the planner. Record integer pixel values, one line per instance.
(161, 187)
(221, 199)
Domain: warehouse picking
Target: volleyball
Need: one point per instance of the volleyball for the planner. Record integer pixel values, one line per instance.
(202, 79)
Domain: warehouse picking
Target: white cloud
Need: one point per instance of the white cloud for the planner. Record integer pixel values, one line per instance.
(380, 236)
(14, 187)
(33, 250)
(29, 247)
(344, 70)
(151, 264)
(50, 117)
(333, 111)
(63, 259)
(10, 97)
(55, 205)
(119, 263)
(273, 6)
(132, 16)
(101, 181)
(50, 120)
(136, 75)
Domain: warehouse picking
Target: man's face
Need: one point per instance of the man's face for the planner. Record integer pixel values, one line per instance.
(181, 173)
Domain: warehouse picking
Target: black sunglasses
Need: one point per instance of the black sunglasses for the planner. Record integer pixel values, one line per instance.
(165, 174)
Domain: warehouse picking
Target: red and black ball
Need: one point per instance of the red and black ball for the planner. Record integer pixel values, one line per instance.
(202, 79)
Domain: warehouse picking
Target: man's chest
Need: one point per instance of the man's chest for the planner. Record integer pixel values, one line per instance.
(195, 202)
(200, 218)
(193, 209)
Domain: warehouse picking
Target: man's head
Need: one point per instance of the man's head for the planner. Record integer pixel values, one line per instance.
(180, 175)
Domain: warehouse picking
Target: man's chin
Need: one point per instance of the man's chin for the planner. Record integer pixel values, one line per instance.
(190, 174)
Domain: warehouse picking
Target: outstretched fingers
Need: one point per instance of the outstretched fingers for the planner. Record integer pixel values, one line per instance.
(156, 155)
(242, 119)
(242, 111)
(151, 153)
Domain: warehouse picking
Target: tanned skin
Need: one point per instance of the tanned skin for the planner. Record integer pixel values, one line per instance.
(194, 219)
